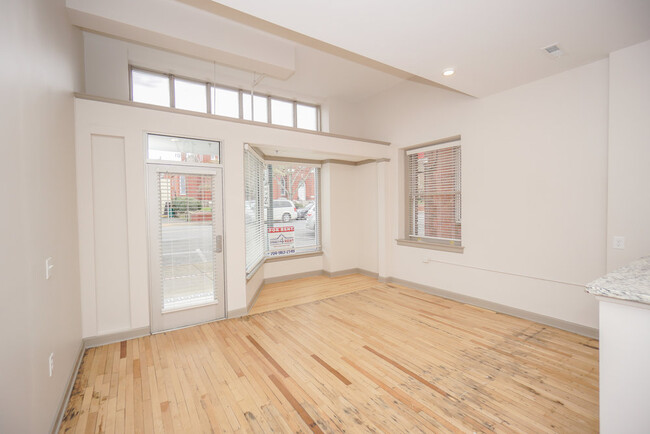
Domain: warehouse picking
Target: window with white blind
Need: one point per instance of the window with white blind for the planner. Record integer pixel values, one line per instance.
(254, 212)
(281, 202)
(433, 180)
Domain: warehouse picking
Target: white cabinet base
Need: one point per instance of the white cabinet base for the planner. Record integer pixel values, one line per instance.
(624, 366)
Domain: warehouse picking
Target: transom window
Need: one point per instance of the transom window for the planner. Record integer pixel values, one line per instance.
(182, 149)
(151, 87)
(434, 193)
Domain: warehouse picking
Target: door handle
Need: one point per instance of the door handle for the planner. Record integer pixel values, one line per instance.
(219, 244)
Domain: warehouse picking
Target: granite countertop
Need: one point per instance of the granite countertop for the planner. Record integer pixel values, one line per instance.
(631, 282)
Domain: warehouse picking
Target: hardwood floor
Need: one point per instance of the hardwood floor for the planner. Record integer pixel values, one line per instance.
(385, 358)
(300, 291)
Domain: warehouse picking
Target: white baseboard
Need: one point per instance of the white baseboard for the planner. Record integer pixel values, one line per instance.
(68, 390)
(501, 308)
(351, 271)
(111, 338)
(250, 304)
(236, 313)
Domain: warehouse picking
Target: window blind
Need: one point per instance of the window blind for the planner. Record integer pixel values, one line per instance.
(186, 240)
(254, 168)
(434, 193)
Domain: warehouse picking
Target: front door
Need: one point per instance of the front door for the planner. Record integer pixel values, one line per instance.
(186, 267)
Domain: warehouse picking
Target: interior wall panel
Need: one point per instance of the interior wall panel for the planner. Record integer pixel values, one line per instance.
(110, 237)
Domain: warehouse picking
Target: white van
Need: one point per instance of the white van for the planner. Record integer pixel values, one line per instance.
(284, 209)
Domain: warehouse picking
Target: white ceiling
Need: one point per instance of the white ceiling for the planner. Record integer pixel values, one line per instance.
(322, 76)
(493, 45)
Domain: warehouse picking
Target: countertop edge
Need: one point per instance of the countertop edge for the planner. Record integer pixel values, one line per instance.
(630, 282)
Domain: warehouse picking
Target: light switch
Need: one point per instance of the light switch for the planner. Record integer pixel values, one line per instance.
(619, 242)
(49, 264)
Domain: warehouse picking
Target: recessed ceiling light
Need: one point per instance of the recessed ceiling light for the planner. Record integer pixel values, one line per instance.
(447, 72)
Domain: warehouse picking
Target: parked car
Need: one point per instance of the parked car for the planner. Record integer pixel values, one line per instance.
(310, 224)
(284, 209)
(302, 212)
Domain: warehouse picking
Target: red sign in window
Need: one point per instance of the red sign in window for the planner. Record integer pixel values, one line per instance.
(281, 229)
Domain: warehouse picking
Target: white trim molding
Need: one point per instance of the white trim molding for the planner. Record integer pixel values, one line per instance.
(111, 338)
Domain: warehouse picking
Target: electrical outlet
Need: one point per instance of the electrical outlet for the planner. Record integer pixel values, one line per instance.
(51, 362)
(619, 242)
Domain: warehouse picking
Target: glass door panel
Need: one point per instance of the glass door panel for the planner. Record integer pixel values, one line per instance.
(187, 285)
(187, 240)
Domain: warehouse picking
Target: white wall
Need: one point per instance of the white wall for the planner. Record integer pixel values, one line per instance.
(106, 66)
(341, 117)
(124, 127)
(295, 266)
(42, 66)
(534, 182)
(339, 222)
(628, 210)
(365, 211)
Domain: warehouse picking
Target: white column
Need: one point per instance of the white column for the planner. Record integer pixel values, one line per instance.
(383, 232)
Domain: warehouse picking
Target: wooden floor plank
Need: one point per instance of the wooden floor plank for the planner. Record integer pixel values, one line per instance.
(343, 354)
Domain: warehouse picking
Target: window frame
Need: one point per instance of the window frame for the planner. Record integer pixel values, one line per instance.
(240, 108)
(181, 163)
(241, 93)
(454, 246)
(319, 239)
(295, 115)
(151, 71)
(172, 85)
(294, 120)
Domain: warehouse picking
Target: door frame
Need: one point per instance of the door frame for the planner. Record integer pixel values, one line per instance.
(151, 170)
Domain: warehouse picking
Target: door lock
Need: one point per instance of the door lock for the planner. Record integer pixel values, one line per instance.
(219, 244)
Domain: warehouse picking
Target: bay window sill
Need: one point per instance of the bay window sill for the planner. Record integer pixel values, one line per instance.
(430, 245)
(294, 256)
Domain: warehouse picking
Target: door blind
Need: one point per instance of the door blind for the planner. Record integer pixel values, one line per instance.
(254, 168)
(187, 240)
(434, 193)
